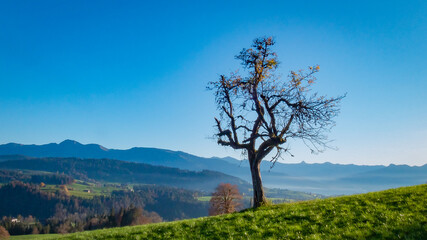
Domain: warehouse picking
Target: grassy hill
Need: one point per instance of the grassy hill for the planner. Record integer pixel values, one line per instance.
(393, 214)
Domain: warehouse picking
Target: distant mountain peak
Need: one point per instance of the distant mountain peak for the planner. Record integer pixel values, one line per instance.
(69, 142)
(73, 143)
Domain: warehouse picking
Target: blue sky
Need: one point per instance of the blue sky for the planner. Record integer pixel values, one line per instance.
(133, 73)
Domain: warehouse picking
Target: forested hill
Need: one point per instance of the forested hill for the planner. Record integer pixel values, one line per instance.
(26, 199)
(325, 178)
(160, 157)
(107, 170)
(153, 156)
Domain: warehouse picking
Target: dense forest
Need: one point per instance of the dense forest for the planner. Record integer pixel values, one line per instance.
(34, 177)
(59, 213)
(107, 170)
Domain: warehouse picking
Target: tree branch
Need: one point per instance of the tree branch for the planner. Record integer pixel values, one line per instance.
(227, 133)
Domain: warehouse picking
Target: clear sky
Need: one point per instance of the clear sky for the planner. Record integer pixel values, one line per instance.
(133, 73)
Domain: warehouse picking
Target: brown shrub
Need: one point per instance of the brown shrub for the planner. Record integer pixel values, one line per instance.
(225, 199)
(4, 234)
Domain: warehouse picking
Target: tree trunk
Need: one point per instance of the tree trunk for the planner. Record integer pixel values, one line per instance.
(259, 197)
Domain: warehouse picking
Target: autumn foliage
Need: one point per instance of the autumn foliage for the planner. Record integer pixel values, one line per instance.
(225, 199)
(4, 234)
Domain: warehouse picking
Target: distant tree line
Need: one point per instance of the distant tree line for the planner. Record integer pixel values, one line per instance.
(56, 212)
(36, 178)
(124, 217)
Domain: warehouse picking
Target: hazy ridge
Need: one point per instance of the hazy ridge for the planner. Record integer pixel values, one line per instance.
(325, 178)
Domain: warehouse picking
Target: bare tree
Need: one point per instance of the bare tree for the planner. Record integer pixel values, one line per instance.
(259, 112)
(225, 199)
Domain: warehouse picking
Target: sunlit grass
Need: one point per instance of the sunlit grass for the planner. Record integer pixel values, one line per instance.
(204, 199)
(391, 214)
(38, 237)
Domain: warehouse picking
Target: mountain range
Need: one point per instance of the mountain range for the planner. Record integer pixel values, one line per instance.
(325, 178)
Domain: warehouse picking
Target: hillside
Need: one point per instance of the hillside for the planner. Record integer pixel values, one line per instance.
(155, 156)
(107, 170)
(325, 178)
(396, 213)
(28, 199)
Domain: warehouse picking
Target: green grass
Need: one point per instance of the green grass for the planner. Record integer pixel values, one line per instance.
(280, 200)
(393, 214)
(37, 237)
(204, 199)
(77, 189)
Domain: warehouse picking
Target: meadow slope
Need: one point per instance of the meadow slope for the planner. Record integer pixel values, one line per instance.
(392, 214)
